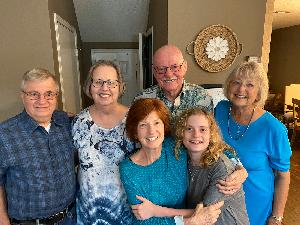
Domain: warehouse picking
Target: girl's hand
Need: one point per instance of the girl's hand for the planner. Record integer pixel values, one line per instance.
(144, 210)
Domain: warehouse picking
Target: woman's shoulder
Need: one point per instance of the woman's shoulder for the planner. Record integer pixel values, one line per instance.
(223, 104)
(271, 122)
(125, 164)
(81, 117)
(83, 114)
(169, 148)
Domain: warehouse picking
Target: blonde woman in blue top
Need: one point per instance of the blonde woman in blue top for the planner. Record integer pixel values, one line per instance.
(260, 140)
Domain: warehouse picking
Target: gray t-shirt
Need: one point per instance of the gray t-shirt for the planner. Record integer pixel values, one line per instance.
(202, 188)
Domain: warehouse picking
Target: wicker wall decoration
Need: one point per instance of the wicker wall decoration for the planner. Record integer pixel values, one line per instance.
(215, 48)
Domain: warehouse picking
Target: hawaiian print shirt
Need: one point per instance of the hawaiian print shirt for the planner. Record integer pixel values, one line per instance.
(191, 96)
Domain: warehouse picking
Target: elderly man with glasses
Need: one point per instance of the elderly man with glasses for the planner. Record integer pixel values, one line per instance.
(37, 176)
(169, 68)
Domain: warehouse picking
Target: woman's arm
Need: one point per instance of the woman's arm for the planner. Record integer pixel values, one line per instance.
(205, 215)
(200, 216)
(146, 209)
(282, 182)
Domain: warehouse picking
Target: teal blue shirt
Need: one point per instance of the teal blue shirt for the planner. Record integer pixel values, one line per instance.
(163, 182)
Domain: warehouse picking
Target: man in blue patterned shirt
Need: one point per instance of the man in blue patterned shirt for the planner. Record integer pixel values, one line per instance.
(169, 69)
(37, 177)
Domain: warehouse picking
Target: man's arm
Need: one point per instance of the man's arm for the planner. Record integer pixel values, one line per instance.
(4, 220)
(234, 181)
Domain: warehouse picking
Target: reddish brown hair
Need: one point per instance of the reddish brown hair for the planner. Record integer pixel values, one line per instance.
(140, 109)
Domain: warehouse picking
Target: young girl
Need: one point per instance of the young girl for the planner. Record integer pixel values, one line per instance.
(197, 132)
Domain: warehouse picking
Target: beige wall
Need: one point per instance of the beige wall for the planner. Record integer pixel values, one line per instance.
(187, 19)
(25, 42)
(284, 66)
(158, 18)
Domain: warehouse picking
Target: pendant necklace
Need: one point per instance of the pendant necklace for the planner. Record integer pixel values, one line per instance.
(239, 133)
(192, 172)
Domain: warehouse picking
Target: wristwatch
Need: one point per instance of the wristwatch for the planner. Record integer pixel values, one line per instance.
(277, 218)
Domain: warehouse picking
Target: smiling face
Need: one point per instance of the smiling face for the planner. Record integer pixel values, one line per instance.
(196, 135)
(169, 70)
(104, 94)
(40, 110)
(243, 92)
(150, 132)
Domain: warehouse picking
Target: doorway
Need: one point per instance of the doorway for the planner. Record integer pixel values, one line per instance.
(146, 58)
(66, 39)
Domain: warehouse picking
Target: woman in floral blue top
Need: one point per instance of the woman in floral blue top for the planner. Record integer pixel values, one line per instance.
(98, 134)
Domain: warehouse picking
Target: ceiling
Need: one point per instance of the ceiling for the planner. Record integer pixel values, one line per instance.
(292, 18)
(122, 20)
(111, 20)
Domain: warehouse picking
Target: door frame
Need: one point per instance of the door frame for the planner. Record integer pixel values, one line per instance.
(61, 21)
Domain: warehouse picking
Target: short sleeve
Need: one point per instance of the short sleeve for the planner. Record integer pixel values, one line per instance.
(280, 152)
(219, 171)
(212, 194)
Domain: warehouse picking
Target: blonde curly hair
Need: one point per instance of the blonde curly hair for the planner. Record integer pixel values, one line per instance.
(216, 144)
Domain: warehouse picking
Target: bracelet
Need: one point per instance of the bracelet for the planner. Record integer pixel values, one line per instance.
(179, 220)
(277, 218)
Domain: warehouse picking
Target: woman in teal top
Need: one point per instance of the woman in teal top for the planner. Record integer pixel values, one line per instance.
(153, 172)
(260, 140)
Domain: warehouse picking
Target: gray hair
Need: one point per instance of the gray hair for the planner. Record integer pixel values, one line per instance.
(253, 71)
(88, 81)
(38, 74)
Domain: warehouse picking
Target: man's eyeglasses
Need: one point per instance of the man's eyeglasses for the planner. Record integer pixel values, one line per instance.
(34, 95)
(163, 69)
(110, 83)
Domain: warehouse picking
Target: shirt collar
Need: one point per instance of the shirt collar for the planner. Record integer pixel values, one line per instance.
(31, 125)
(161, 93)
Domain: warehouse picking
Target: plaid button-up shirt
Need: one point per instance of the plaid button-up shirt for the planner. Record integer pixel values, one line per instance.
(37, 167)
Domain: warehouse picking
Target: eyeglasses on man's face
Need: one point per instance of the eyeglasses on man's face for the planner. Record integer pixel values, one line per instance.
(34, 95)
(163, 69)
(110, 83)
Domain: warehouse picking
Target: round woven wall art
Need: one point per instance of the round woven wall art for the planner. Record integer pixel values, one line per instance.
(215, 48)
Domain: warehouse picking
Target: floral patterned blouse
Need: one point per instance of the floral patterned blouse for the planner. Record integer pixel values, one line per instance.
(101, 198)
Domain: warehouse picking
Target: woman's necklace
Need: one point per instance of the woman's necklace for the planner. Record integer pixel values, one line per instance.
(239, 133)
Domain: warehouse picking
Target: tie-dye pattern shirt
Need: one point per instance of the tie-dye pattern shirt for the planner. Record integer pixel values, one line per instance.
(101, 198)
